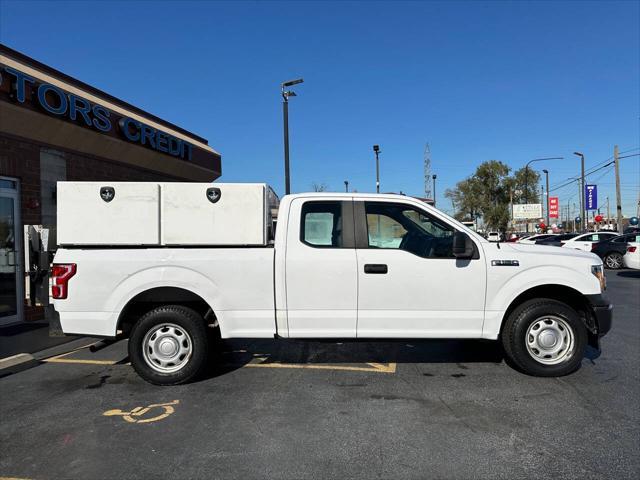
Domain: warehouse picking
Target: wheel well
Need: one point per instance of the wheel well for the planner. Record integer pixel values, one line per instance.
(155, 297)
(561, 293)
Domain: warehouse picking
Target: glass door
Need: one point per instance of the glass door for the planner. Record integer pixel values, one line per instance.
(10, 254)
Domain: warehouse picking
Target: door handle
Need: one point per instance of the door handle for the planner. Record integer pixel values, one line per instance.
(379, 268)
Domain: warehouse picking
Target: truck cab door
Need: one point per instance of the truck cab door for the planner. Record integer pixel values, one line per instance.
(409, 282)
(321, 269)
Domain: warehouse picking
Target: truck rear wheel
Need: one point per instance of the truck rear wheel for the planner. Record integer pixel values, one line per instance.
(545, 338)
(169, 345)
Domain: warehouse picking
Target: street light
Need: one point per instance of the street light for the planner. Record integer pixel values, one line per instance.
(546, 174)
(582, 209)
(376, 149)
(434, 189)
(285, 118)
(346, 186)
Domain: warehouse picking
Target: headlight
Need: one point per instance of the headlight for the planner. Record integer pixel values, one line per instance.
(598, 271)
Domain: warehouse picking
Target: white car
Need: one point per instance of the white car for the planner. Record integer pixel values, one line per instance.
(585, 241)
(532, 239)
(494, 236)
(631, 259)
(169, 264)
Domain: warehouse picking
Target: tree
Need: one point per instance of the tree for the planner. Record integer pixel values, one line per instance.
(518, 181)
(319, 187)
(486, 194)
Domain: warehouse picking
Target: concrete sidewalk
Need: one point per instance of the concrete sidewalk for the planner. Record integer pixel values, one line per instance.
(28, 337)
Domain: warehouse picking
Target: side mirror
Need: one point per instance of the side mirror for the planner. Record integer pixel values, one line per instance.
(462, 245)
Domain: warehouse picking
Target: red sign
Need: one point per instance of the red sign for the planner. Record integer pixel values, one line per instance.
(553, 207)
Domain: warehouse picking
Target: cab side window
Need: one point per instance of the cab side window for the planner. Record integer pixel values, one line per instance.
(321, 224)
(401, 227)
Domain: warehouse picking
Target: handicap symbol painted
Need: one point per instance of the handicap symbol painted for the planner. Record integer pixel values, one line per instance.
(139, 414)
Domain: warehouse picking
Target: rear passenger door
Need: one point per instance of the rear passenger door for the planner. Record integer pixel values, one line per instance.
(321, 268)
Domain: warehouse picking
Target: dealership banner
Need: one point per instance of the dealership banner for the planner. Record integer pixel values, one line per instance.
(527, 211)
(553, 207)
(591, 197)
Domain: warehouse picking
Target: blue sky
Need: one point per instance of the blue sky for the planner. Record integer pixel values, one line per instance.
(502, 80)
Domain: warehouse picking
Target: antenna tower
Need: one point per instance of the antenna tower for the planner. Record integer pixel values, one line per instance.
(427, 171)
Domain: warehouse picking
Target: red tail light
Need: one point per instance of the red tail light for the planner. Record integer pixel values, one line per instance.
(631, 249)
(60, 275)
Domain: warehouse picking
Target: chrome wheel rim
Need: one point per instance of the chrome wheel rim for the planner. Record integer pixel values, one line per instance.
(550, 340)
(167, 348)
(614, 261)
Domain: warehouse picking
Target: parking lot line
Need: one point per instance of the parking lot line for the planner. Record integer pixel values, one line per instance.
(374, 367)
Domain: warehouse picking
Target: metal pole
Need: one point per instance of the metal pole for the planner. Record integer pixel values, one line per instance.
(346, 186)
(526, 194)
(285, 118)
(582, 202)
(616, 161)
(377, 173)
(434, 190)
(608, 214)
(546, 172)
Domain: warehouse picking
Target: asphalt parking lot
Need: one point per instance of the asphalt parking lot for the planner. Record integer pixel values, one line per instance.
(289, 409)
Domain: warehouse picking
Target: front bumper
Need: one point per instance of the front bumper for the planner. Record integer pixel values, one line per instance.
(602, 310)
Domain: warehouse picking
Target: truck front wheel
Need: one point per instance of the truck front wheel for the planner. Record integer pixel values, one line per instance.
(169, 345)
(545, 338)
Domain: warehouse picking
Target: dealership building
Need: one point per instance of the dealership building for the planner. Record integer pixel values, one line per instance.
(54, 127)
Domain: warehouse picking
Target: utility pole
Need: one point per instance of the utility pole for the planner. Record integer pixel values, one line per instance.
(608, 214)
(582, 203)
(616, 162)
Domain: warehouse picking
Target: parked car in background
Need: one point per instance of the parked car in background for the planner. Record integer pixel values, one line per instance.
(586, 240)
(494, 236)
(556, 240)
(612, 250)
(532, 239)
(631, 259)
(631, 230)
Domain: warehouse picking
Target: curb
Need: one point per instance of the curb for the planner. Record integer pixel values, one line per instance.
(24, 361)
(17, 363)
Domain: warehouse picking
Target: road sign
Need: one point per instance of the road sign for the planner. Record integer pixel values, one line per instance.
(527, 211)
(553, 207)
(591, 197)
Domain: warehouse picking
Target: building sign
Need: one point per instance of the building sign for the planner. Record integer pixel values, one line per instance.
(591, 197)
(553, 207)
(54, 101)
(527, 211)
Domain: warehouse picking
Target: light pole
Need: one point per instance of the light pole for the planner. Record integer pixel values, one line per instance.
(376, 150)
(434, 189)
(346, 186)
(582, 212)
(546, 174)
(285, 119)
(526, 181)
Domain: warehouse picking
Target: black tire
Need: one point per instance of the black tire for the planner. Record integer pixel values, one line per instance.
(190, 323)
(613, 260)
(514, 337)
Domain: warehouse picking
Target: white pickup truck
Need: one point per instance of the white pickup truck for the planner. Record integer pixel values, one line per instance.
(167, 264)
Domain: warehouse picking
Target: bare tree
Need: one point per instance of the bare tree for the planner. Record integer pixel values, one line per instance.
(319, 187)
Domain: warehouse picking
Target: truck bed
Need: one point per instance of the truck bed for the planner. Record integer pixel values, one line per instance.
(237, 283)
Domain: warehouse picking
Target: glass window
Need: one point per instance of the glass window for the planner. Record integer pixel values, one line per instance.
(322, 224)
(402, 227)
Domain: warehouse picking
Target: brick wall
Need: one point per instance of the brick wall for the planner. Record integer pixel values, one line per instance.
(20, 158)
